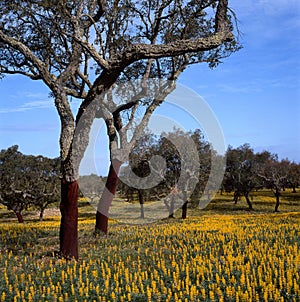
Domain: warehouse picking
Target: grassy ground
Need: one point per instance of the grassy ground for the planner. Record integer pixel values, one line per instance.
(222, 253)
(263, 201)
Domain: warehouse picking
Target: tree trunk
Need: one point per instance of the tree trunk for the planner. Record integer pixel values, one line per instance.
(141, 200)
(248, 201)
(184, 210)
(236, 197)
(277, 195)
(19, 216)
(171, 209)
(166, 204)
(107, 197)
(69, 219)
(41, 214)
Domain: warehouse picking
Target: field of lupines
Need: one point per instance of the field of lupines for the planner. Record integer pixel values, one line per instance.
(212, 257)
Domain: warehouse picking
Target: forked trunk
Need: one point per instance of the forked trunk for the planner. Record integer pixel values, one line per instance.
(107, 197)
(69, 219)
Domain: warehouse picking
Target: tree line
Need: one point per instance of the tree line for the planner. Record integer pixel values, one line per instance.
(245, 171)
(28, 181)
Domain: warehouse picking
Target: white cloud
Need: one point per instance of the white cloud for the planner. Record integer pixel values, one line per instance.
(251, 87)
(38, 104)
(28, 128)
(31, 95)
(259, 85)
(29, 106)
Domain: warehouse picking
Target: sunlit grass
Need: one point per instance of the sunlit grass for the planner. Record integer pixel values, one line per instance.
(263, 201)
(232, 255)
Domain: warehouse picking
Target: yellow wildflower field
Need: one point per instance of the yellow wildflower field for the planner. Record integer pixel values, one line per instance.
(212, 257)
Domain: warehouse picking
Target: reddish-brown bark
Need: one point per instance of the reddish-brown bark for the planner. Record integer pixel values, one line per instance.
(20, 217)
(69, 219)
(107, 197)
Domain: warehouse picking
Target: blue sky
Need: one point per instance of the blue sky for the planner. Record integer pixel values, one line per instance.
(255, 93)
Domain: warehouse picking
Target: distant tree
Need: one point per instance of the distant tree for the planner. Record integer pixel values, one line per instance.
(169, 180)
(293, 178)
(134, 176)
(171, 173)
(90, 186)
(240, 176)
(205, 154)
(169, 152)
(182, 153)
(199, 164)
(82, 48)
(15, 191)
(125, 190)
(274, 174)
(27, 181)
(181, 173)
(44, 181)
(139, 159)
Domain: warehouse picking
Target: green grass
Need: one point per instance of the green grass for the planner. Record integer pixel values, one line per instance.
(263, 202)
(221, 253)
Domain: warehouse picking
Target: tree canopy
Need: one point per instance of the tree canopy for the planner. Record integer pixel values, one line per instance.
(81, 49)
(28, 181)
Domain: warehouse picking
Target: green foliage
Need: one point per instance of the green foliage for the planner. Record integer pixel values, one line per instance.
(91, 187)
(47, 29)
(168, 146)
(247, 171)
(27, 180)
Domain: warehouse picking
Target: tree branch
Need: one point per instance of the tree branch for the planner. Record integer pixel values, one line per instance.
(93, 52)
(136, 52)
(221, 21)
(24, 73)
(38, 64)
